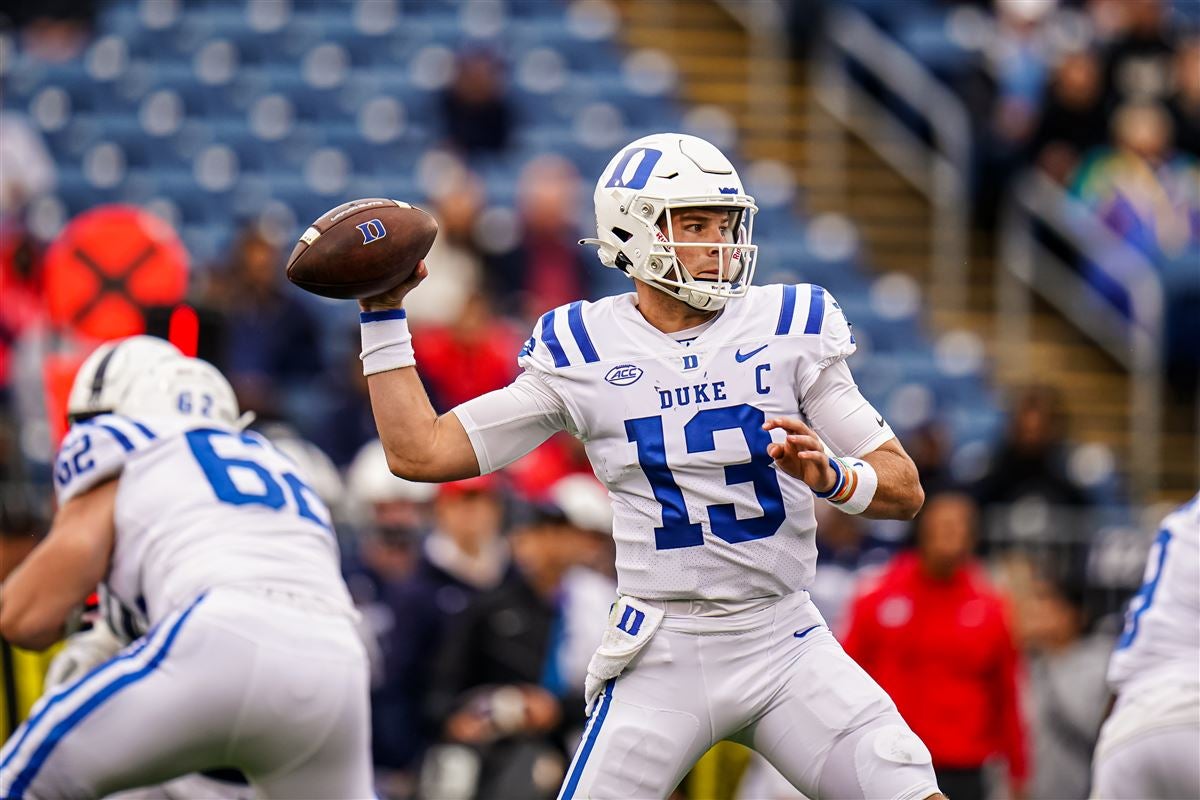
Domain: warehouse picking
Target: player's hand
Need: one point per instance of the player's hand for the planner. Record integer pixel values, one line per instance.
(801, 454)
(394, 298)
(542, 709)
(82, 652)
(469, 727)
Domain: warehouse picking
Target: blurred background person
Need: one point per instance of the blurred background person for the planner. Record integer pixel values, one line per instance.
(388, 517)
(272, 343)
(936, 635)
(1028, 474)
(463, 555)
(1184, 102)
(547, 268)
(473, 354)
(1066, 695)
(588, 589)
(347, 424)
(1142, 188)
(477, 116)
(1137, 61)
(1073, 118)
(497, 685)
(458, 200)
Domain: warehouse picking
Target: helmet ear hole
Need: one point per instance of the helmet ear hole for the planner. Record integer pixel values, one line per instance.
(621, 234)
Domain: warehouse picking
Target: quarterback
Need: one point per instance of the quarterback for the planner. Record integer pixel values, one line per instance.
(208, 533)
(1148, 745)
(714, 411)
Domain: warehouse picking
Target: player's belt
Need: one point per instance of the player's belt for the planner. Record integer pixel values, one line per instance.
(727, 616)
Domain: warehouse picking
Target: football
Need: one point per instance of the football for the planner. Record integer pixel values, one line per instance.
(361, 248)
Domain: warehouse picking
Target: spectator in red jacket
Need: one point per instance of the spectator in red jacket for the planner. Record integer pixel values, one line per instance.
(936, 636)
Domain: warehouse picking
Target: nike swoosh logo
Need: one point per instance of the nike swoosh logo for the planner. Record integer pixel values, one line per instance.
(879, 420)
(805, 632)
(739, 356)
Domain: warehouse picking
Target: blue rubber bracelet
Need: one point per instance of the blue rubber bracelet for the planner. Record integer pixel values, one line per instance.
(837, 485)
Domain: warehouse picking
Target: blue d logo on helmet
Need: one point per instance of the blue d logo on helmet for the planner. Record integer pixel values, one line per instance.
(638, 179)
(372, 230)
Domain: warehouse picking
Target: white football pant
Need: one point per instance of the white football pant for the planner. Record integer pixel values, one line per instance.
(768, 675)
(274, 688)
(1150, 745)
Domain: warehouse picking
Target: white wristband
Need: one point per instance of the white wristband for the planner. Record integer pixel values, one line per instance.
(386, 342)
(856, 485)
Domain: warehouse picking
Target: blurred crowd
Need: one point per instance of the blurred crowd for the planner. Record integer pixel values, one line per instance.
(1103, 97)
(988, 620)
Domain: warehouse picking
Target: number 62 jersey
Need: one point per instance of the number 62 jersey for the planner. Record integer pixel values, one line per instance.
(674, 430)
(201, 505)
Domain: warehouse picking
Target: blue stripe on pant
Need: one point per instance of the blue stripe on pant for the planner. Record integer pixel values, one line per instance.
(589, 741)
(43, 750)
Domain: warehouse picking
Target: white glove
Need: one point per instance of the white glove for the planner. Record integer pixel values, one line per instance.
(592, 686)
(631, 624)
(82, 652)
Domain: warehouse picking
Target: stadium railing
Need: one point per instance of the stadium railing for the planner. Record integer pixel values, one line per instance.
(1030, 267)
(767, 84)
(939, 168)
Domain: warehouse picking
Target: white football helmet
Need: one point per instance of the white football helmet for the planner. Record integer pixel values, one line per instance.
(182, 386)
(641, 185)
(370, 480)
(105, 376)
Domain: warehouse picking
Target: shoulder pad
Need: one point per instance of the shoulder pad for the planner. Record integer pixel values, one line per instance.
(94, 451)
(560, 339)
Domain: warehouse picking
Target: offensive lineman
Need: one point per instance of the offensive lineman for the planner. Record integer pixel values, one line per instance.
(689, 394)
(1149, 743)
(252, 661)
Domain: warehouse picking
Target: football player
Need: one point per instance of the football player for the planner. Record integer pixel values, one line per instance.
(101, 386)
(252, 660)
(1149, 743)
(703, 402)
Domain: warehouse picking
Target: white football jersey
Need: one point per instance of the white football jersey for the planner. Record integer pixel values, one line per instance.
(201, 505)
(1162, 625)
(674, 430)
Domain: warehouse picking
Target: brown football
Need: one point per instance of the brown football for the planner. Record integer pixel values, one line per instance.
(361, 248)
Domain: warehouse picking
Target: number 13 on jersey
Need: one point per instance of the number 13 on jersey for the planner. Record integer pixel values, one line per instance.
(677, 529)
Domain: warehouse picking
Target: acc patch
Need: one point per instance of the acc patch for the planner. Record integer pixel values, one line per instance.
(624, 374)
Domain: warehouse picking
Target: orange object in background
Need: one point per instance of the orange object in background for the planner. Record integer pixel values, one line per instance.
(107, 267)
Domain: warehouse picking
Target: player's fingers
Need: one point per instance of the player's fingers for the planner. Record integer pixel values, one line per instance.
(804, 443)
(420, 273)
(789, 424)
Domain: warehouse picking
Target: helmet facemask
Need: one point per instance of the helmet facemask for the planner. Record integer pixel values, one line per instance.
(733, 271)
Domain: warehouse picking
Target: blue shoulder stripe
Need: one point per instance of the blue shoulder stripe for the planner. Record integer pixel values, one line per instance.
(550, 339)
(149, 434)
(121, 438)
(122, 429)
(786, 311)
(575, 320)
(816, 311)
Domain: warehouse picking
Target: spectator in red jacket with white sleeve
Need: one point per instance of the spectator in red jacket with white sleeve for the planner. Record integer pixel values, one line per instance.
(935, 634)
